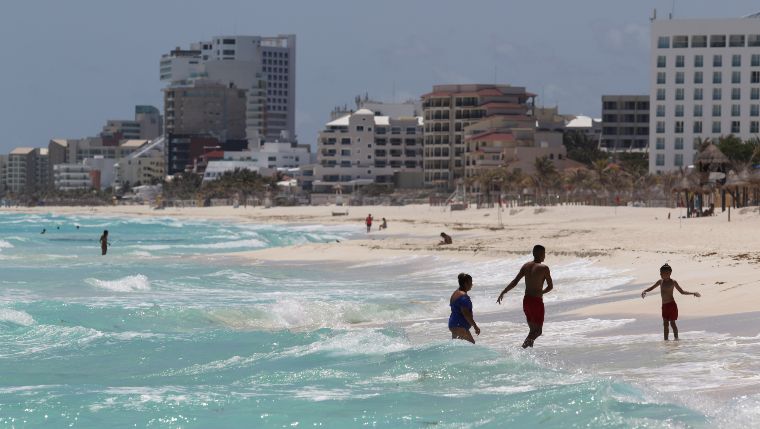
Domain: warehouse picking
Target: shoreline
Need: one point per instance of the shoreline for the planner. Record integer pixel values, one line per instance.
(710, 255)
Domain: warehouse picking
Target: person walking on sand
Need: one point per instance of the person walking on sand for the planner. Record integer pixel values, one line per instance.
(535, 273)
(669, 307)
(368, 221)
(104, 242)
(461, 318)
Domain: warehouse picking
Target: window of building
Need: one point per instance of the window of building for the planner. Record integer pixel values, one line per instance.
(660, 93)
(736, 110)
(359, 128)
(345, 141)
(697, 93)
(735, 127)
(755, 77)
(716, 127)
(753, 40)
(660, 127)
(754, 110)
(736, 93)
(736, 60)
(678, 127)
(697, 127)
(679, 110)
(679, 77)
(716, 110)
(680, 41)
(663, 42)
(660, 110)
(736, 40)
(755, 62)
(660, 78)
(717, 77)
(228, 52)
(661, 61)
(754, 127)
(679, 93)
(736, 77)
(717, 94)
(718, 41)
(698, 61)
(717, 60)
(754, 94)
(660, 159)
(678, 160)
(698, 110)
(344, 152)
(679, 61)
(660, 143)
(698, 77)
(679, 143)
(698, 41)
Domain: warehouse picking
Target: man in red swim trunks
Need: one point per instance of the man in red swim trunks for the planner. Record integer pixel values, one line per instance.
(535, 274)
(669, 307)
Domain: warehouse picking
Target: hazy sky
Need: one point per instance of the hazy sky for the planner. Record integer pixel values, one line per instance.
(70, 65)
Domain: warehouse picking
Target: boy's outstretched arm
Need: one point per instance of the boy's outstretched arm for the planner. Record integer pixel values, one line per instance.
(683, 292)
(511, 285)
(643, 294)
(549, 283)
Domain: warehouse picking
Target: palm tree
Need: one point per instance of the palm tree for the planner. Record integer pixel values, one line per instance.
(544, 177)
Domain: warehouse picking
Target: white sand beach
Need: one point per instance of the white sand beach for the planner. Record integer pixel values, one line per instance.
(718, 258)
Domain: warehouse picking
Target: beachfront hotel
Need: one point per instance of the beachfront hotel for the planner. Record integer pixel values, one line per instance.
(364, 147)
(263, 67)
(625, 123)
(704, 84)
(449, 109)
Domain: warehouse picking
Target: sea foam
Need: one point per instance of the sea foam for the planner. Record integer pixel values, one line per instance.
(134, 283)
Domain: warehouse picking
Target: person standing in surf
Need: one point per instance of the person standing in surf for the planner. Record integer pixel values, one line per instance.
(104, 242)
(535, 273)
(368, 222)
(669, 307)
(461, 318)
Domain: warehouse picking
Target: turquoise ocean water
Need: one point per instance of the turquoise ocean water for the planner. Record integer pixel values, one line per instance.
(169, 331)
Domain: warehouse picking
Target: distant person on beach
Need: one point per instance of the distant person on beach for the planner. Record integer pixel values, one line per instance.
(669, 307)
(43, 231)
(535, 273)
(368, 221)
(461, 318)
(104, 242)
(384, 225)
(445, 239)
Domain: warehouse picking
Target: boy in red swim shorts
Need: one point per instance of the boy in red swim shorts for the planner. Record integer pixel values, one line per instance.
(669, 307)
(535, 274)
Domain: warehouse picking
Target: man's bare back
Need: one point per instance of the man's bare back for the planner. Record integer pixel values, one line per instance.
(535, 274)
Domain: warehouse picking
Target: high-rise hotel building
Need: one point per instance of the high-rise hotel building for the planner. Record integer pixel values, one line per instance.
(705, 83)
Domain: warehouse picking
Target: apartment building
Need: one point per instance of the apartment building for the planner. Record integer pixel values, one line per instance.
(205, 107)
(705, 83)
(26, 169)
(362, 147)
(3, 166)
(147, 125)
(263, 67)
(449, 109)
(625, 123)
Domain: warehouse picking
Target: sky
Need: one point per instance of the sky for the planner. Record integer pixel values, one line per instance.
(71, 65)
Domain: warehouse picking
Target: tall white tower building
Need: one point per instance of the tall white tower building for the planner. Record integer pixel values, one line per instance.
(705, 83)
(262, 66)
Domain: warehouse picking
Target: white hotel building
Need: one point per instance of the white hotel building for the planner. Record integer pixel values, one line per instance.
(705, 83)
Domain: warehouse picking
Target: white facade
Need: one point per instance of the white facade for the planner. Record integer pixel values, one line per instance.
(67, 177)
(215, 169)
(274, 155)
(263, 66)
(361, 148)
(705, 83)
(144, 166)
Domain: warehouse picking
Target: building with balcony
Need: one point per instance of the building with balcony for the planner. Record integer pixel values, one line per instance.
(67, 177)
(204, 107)
(704, 84)
(362, 148)
(625, 123)
(147, 125)
(262, 67)
(26, 170)
(449, 109)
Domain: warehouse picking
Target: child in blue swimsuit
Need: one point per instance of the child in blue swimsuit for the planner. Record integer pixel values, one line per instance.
(461, 318)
